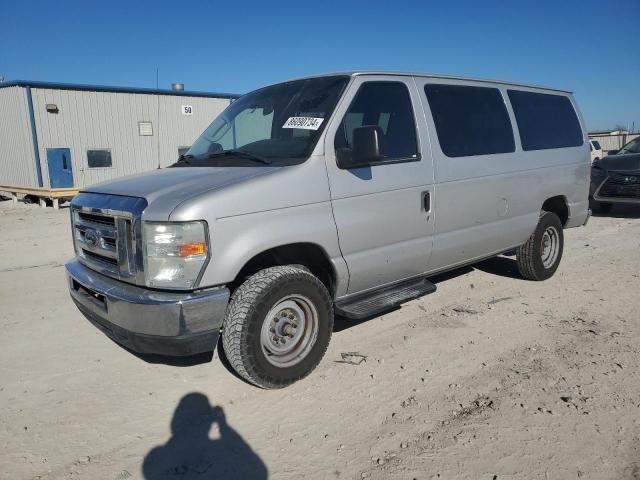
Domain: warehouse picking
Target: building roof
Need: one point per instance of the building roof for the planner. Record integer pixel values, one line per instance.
(611, 132)
(104, 88)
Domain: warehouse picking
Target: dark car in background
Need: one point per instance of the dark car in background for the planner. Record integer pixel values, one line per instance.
(615, 179)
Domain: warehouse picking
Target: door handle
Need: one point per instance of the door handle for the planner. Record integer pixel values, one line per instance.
(426, 201)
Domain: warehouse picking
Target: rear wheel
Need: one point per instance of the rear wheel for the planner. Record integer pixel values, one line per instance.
(278, 326)
(538, 259)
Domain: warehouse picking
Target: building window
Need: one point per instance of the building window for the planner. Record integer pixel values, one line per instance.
(99, 158)
(470, 120)
(545, 121)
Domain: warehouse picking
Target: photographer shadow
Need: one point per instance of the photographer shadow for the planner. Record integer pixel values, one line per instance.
(190, 453)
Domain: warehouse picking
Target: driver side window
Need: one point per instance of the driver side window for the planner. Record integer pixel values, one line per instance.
(248, 126)
(387, 105)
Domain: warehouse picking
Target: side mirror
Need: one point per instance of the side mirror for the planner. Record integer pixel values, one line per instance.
(367, 148)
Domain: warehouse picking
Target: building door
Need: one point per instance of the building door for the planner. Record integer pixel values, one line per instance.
(60, 170)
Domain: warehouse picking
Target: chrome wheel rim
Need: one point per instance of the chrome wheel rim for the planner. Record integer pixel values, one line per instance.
(550, 247)
(289, 331)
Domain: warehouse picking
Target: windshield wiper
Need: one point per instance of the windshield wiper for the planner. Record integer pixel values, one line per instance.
(241, 154)
(184, 159)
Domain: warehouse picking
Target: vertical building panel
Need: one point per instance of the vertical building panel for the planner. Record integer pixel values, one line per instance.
(17, 167)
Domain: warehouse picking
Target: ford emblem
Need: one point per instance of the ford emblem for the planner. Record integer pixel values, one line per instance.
(91, 237)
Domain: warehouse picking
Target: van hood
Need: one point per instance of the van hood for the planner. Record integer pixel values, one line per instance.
(629, 163)
(167, 188)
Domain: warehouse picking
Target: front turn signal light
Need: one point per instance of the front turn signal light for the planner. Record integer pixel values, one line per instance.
(190, 249)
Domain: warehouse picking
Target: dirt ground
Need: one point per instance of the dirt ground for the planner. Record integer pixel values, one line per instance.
(491, 377)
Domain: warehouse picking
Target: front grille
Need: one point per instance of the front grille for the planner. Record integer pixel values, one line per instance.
(106, 242)
(107, 234)
(100, 258)
(619, 185)
(96, 219)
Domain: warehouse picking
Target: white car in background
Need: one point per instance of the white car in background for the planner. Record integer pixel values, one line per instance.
(596, 150)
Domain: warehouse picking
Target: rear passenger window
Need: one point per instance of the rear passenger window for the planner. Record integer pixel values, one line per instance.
(545, 121)
(470, 120)
(388, 105)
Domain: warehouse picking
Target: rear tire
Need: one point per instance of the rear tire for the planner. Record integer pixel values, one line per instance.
(277, 326)
(538, 259)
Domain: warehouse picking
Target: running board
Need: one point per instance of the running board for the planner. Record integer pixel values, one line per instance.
(382, 300)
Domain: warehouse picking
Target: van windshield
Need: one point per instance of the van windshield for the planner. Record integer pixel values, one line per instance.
(274, 126)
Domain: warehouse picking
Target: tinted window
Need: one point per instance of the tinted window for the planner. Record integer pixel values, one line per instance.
(183, 150)
(470, 120)
(388, 105)
(99, 158)
(596, 145)
(545, 121)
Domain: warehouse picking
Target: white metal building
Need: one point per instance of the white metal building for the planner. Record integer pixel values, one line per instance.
(612, 139)
(63, 136)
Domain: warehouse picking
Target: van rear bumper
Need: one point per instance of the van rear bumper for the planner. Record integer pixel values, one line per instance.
(578, 214)
(148, 321)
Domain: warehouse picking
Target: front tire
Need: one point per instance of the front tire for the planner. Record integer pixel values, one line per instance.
(539, 258)
(277, 326)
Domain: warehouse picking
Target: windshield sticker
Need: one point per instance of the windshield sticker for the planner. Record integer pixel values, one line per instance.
(306, 123)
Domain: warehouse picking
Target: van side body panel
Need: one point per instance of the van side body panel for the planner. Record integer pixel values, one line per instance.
(384, 231)
(249, 218)
(487, 204)
(369, 220)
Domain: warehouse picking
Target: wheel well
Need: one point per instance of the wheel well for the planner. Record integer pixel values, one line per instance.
(308, 255)
(557, 205)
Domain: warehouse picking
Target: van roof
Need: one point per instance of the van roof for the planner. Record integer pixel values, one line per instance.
(356, 73)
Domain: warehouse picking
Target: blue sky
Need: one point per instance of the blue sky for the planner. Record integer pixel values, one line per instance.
(592, 48)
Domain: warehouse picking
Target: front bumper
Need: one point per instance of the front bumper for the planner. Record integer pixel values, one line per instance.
(149, 321)
(613, 189)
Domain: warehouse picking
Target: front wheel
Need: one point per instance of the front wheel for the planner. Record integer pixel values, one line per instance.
(277, 326)
(539, 257)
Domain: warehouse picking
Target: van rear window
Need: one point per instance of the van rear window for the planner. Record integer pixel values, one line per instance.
(545, 121)
(470, 120)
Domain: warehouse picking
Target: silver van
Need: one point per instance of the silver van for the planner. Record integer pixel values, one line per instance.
(331, 195)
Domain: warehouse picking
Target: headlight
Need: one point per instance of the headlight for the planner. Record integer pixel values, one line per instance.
(174, 254)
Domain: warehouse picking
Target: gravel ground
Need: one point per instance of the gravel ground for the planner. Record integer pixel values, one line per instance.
(491, 377)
